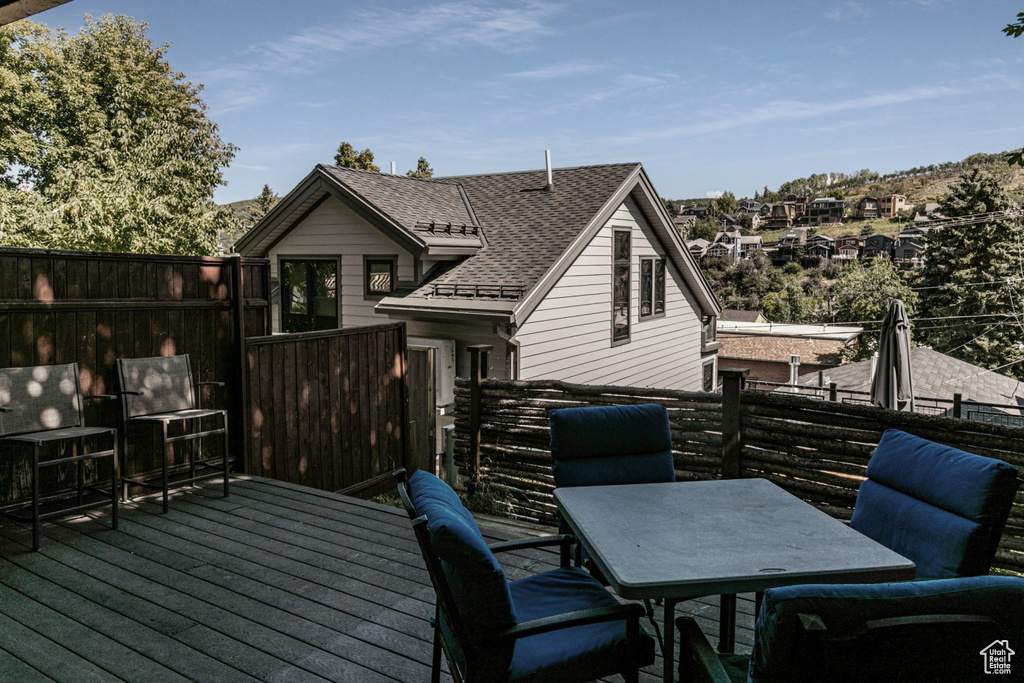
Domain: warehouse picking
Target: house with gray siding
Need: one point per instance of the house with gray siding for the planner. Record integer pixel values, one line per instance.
(576, 274)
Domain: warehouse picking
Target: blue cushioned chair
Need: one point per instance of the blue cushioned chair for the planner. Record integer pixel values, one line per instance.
(938, 506)
(606, 445)
(559, 626)
(627, 444)
(942, 630)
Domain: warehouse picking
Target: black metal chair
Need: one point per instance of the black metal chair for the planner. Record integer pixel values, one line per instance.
(44, 405)
(160, 392)
(558, 625)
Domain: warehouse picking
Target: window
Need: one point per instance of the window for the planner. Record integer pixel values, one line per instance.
(620, 286)
(309, 295)
(652, 287)
(379, 275)
(708, 379)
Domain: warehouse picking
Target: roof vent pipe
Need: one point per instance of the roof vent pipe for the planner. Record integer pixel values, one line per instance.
(392, 168)
(547, 164)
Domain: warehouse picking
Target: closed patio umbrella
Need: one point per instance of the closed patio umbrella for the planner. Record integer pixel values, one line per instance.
(892, 385)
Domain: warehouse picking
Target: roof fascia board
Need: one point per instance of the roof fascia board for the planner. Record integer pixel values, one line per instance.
(558, 268)
(684, 260)
(284, 208)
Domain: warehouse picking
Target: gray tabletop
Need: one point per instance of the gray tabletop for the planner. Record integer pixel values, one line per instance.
(687, 539)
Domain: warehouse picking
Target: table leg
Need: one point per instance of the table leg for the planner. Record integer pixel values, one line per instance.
(727, 624)
(668, 650)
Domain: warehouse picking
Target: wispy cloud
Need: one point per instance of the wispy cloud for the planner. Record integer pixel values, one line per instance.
(430, 27)
(783, 110)
(847, 11)
(559, 71)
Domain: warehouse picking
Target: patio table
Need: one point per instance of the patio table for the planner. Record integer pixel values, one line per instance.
(677, 541)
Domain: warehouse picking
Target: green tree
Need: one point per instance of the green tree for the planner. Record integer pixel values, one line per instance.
(262, 204)
(1015, 30)
(971, 276)
(726, 203)
(861, 295)
(347, 157)
(788, 305)
(423, 170)
(703, 228)
(105, 147)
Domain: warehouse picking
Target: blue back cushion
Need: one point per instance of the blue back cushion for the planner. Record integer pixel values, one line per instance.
(476, 579)
(627, 444)
(941, 507)
(784, 651)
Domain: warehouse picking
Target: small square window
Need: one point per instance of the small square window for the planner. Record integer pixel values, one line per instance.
(380, 276)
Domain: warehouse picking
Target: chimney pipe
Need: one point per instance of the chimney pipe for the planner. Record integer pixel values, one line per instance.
(547, 163)
(392, 168)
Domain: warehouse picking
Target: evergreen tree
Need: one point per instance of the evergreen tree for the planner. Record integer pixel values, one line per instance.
(967, 278)
(104, 147)
(347, 157)
(423, 170)
(262, 204)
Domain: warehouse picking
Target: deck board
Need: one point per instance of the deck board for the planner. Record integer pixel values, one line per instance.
(277, 582)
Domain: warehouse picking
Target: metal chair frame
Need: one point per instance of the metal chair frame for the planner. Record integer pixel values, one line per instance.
(158, 405)
(21, 425)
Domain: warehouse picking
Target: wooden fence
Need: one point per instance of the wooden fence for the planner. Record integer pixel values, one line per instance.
(327, 409)
(92, 308)
(815, 449)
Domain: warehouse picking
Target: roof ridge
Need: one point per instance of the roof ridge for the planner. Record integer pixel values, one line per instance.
(630, 164)
(382, 174)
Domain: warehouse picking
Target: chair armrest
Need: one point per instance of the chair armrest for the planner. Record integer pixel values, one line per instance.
(628, 612)
(6, 410)
(108, 397)
(129, 392)
(696, 653)
(209, 384)
(537, 542)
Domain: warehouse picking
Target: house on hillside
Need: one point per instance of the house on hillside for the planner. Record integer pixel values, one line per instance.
(909, 250)
(890, 205)
(576, 274)
(878, 245)
(825, 210)
(866, 208)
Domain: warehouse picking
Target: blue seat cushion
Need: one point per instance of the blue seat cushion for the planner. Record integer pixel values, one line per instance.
(627, 444)
(578, 653)
(785, 651)
(939, 506)
(477, 581)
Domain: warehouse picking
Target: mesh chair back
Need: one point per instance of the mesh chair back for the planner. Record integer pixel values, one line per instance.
(40, 398)
(164, 383)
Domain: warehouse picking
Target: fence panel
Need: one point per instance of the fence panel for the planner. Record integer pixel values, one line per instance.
(327, 409)
(817, 450)
(92, 308)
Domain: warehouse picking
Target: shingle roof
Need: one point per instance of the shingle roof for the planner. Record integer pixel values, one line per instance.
(936, 375)
(527, 228)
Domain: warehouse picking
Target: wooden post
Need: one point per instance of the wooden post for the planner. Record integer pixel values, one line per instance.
(241, 433)
(477, 373)
(958, 405)
(832, 393)
(732, 434)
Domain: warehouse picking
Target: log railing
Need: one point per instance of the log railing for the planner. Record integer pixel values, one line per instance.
(817, 450)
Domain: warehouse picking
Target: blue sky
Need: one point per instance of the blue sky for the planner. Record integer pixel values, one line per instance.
(709, 96)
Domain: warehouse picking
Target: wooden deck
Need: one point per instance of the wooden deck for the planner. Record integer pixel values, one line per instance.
(275, 583)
